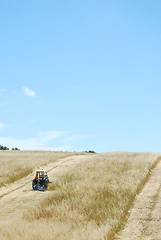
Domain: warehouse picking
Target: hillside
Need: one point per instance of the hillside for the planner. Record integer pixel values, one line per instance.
(89, 197)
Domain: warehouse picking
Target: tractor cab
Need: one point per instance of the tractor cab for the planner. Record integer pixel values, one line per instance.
(41, 180)
(41, 173)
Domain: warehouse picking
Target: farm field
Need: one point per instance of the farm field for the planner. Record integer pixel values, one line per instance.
(22, 163)
(89, 198)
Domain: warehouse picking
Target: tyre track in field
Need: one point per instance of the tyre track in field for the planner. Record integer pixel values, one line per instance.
(18, 196)
(7, 190)
(144, 222)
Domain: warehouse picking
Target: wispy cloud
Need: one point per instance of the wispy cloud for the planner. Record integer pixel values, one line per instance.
(47, 140)
(50, 135)
(28, 92)
(42, 141)
(2, 125)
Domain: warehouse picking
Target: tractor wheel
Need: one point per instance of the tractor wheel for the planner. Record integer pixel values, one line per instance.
(33, 183)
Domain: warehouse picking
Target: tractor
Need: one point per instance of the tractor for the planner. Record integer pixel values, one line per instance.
(41, 180)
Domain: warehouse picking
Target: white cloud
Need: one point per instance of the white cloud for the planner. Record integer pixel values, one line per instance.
(28, 92)
(40, 142)
(2, 125)
(50, 135)
(47, 140)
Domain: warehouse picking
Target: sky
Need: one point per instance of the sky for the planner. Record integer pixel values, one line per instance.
(80, 75)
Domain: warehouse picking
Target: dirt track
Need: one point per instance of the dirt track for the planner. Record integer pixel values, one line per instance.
(144, 222)
(18, 196)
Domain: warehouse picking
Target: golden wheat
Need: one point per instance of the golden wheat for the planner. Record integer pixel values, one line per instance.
(15, 165)
(97, 194)
(90, 202)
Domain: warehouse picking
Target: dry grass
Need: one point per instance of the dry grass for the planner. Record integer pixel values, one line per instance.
(15, 165)
(90, 202)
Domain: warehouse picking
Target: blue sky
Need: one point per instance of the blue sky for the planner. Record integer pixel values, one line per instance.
(80, 75)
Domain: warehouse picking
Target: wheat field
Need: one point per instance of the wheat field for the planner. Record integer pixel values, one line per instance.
(15, 165)
(89, 202)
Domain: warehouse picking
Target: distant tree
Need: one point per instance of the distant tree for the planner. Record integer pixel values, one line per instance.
(90, 151)
(15, 149)
(6, 148)
(3, 147)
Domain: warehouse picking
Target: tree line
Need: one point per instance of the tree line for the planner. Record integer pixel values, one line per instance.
(6, 148)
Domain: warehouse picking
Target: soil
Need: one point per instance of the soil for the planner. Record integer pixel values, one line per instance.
(144, 222)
